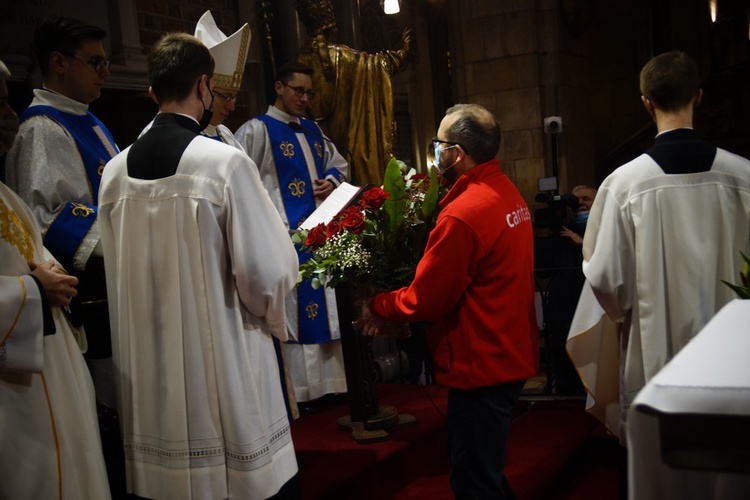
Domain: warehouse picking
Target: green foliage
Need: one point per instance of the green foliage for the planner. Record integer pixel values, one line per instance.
(384, 251)
(743, 289)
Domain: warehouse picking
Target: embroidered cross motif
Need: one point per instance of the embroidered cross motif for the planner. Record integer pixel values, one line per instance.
(15, 232)
(297, 187)
(312, 310)
(319, 149)
(80, 210)
(287, 148)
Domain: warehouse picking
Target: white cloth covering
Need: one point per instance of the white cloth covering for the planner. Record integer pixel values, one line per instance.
(655, 251)
(593, 346)
(709, 378)
(198, 266)
(49, 433)
(315, 369)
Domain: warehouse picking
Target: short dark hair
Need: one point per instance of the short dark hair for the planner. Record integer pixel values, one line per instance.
(670, 80)
(61, 34)
(175, 62)
(287, 71)
(476, 130)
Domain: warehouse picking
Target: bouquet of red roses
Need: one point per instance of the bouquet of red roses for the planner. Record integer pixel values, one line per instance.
(379, 240)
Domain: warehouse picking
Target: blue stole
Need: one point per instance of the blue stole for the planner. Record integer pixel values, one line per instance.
(214, 137)
(74, 221)
(297, 194)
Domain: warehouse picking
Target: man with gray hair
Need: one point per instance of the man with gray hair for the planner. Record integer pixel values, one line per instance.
(474, 287)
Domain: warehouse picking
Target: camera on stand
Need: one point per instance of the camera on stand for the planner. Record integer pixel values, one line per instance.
(558, 210)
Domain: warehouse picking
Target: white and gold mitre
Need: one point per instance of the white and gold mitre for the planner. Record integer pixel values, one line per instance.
(230, 53)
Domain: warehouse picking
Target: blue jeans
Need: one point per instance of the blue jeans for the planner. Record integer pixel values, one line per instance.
(477, 423)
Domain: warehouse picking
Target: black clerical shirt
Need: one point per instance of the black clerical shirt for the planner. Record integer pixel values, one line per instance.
(157, 154)
(680, 151)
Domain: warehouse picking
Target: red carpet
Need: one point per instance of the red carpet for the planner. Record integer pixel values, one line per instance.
(549, 452)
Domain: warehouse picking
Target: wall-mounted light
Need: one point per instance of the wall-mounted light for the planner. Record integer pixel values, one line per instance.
(712, 7)
(392, 6)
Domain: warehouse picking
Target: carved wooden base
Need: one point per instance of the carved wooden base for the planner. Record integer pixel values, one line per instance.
(367, 420)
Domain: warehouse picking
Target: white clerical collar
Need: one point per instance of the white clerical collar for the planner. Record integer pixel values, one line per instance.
(47, 97)
(210, 130)
(671, 129)
(282, 116)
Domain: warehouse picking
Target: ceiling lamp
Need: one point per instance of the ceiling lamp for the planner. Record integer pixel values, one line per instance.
(391, 6)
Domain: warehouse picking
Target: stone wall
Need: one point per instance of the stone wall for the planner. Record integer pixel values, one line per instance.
(524, 61)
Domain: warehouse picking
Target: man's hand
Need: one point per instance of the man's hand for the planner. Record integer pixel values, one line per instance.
(59, 286)
(572, 235)
(322, 188)
(369, 321)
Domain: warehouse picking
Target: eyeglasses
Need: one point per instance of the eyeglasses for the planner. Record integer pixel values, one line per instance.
(437, 145)
(226, 97)
(98, 63)
(300, 91)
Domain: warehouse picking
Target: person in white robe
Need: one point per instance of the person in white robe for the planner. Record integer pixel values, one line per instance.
(56, 164)
(49, 435)
(198, 266)
(300, 167)
(665, 230)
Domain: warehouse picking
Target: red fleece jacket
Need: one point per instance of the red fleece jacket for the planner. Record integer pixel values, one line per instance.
(475, 285)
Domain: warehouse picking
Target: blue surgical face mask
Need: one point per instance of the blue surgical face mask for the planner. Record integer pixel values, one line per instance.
(582, 217)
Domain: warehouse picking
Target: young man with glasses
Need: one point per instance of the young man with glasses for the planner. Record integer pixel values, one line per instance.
(42, 371)
(300, 167)
(55, 166)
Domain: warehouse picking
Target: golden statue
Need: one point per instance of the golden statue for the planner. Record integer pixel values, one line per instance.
(354, 97)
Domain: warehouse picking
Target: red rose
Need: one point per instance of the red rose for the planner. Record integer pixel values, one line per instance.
(374, 198)
(417, 177)
(333, 228)
(316, 237)
(353, 220)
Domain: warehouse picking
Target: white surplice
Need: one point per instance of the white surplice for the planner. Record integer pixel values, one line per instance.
(315, 369)
(655, 251)
(49, 433)
(198, 268)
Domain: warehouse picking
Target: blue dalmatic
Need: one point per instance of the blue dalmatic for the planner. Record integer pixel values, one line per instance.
(97, 147)
(296, 184)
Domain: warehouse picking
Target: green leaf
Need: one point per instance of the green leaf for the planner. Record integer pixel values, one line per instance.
(396, 204)
(431, 196)
(741, 291)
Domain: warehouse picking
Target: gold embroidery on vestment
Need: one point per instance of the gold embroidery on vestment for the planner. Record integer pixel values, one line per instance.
(81, 210)
(312, 310)
(297, 187)
(287, 148)
(15, 232)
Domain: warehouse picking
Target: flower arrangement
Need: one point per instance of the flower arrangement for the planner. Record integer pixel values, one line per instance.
(742, 290)
(378, 241)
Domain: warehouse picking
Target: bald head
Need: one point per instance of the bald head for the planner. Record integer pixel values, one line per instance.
(475, 128)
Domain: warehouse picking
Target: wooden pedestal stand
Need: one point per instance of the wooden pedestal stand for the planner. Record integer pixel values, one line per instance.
(368, 420)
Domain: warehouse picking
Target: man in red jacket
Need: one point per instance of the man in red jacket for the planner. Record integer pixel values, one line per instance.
(475, 288)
